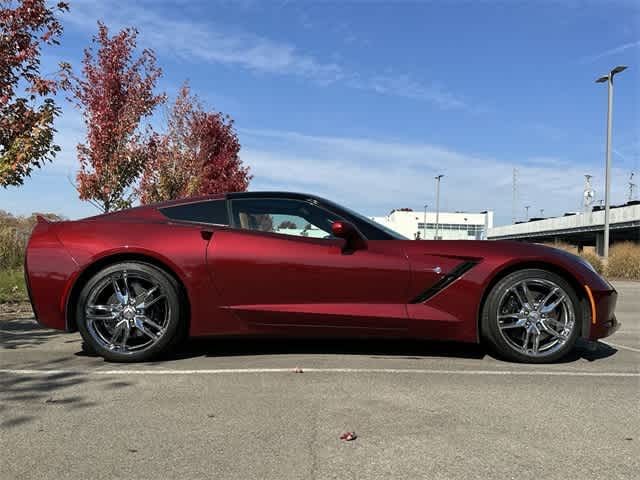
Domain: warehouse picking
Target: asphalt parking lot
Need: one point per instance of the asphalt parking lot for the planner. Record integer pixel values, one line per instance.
(236, 409)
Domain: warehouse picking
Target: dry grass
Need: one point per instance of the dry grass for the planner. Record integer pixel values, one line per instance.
(588, 254)
(12, 245)
(595, 261)
(14, 233)
(567, 247)
(624, 261)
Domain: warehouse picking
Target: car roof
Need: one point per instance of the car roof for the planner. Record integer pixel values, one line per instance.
(274, 194)
(179, 201)
(145, 211)
(237, 195)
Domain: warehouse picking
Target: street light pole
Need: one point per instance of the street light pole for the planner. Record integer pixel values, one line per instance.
(424, 223)
(527, 209)
(607, 175)
(438, 178)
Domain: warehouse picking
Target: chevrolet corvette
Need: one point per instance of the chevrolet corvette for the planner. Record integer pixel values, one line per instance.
(135, 282)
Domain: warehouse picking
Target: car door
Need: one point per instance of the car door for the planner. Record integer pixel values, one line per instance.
(280, 270)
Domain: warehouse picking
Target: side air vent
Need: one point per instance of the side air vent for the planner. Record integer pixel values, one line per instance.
(445, 281)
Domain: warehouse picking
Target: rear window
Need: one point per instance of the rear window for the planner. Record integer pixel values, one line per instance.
(211, 211)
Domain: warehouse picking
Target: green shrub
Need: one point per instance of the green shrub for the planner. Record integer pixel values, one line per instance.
(12, 286)
(624, 261)
(14, 233)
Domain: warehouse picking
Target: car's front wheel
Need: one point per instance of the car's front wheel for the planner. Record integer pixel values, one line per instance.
(129, 312)
(532, 316)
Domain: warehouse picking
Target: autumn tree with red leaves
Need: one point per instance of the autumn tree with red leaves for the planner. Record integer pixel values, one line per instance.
(27, 110)
(198, 155)
(114, 93)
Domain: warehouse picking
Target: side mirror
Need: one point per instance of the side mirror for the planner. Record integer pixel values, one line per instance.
(354, 240)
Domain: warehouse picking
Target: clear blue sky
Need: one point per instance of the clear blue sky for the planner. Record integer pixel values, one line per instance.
(364, 102)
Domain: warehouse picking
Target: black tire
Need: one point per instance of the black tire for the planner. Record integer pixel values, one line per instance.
(173, 324)
(494, 335)
(88, 349)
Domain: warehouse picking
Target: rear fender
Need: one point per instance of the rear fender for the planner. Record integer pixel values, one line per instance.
(48, 268)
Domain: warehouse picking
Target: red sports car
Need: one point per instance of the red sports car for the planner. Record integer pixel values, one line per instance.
(136, 281)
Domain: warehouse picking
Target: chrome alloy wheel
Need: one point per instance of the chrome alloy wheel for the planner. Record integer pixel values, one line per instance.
(536, 317)
(127, 312)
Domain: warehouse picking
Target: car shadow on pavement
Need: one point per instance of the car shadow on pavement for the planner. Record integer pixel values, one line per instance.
(25, 332)
(374, 348)
(398, 349)
(590, 351)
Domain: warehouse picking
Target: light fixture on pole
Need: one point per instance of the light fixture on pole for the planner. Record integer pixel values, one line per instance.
(607, 177)
(589, 194)
(438, 178)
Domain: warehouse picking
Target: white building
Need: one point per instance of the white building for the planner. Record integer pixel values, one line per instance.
(452, 226)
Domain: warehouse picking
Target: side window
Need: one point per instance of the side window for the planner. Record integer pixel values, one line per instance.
(284, 216)
(211, 211)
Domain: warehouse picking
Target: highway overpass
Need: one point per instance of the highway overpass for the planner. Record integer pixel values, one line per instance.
(580, 229)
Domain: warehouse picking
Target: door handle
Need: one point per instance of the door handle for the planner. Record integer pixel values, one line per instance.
(206, 234)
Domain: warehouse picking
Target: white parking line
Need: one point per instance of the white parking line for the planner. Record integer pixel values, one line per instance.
(561, 373)
(624, 347)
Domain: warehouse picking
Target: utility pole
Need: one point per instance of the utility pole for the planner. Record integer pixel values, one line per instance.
(424, 223)
(514, 201)
(527, 207)
(607, 178)
(632, 187)
(438, 178)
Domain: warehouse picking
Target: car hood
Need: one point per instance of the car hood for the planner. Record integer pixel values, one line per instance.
(501, 254)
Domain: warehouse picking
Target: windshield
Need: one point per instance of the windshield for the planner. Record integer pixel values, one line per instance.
(371, 229)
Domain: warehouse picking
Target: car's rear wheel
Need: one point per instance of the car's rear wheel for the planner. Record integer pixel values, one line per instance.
(129, 312)
(532, 316)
